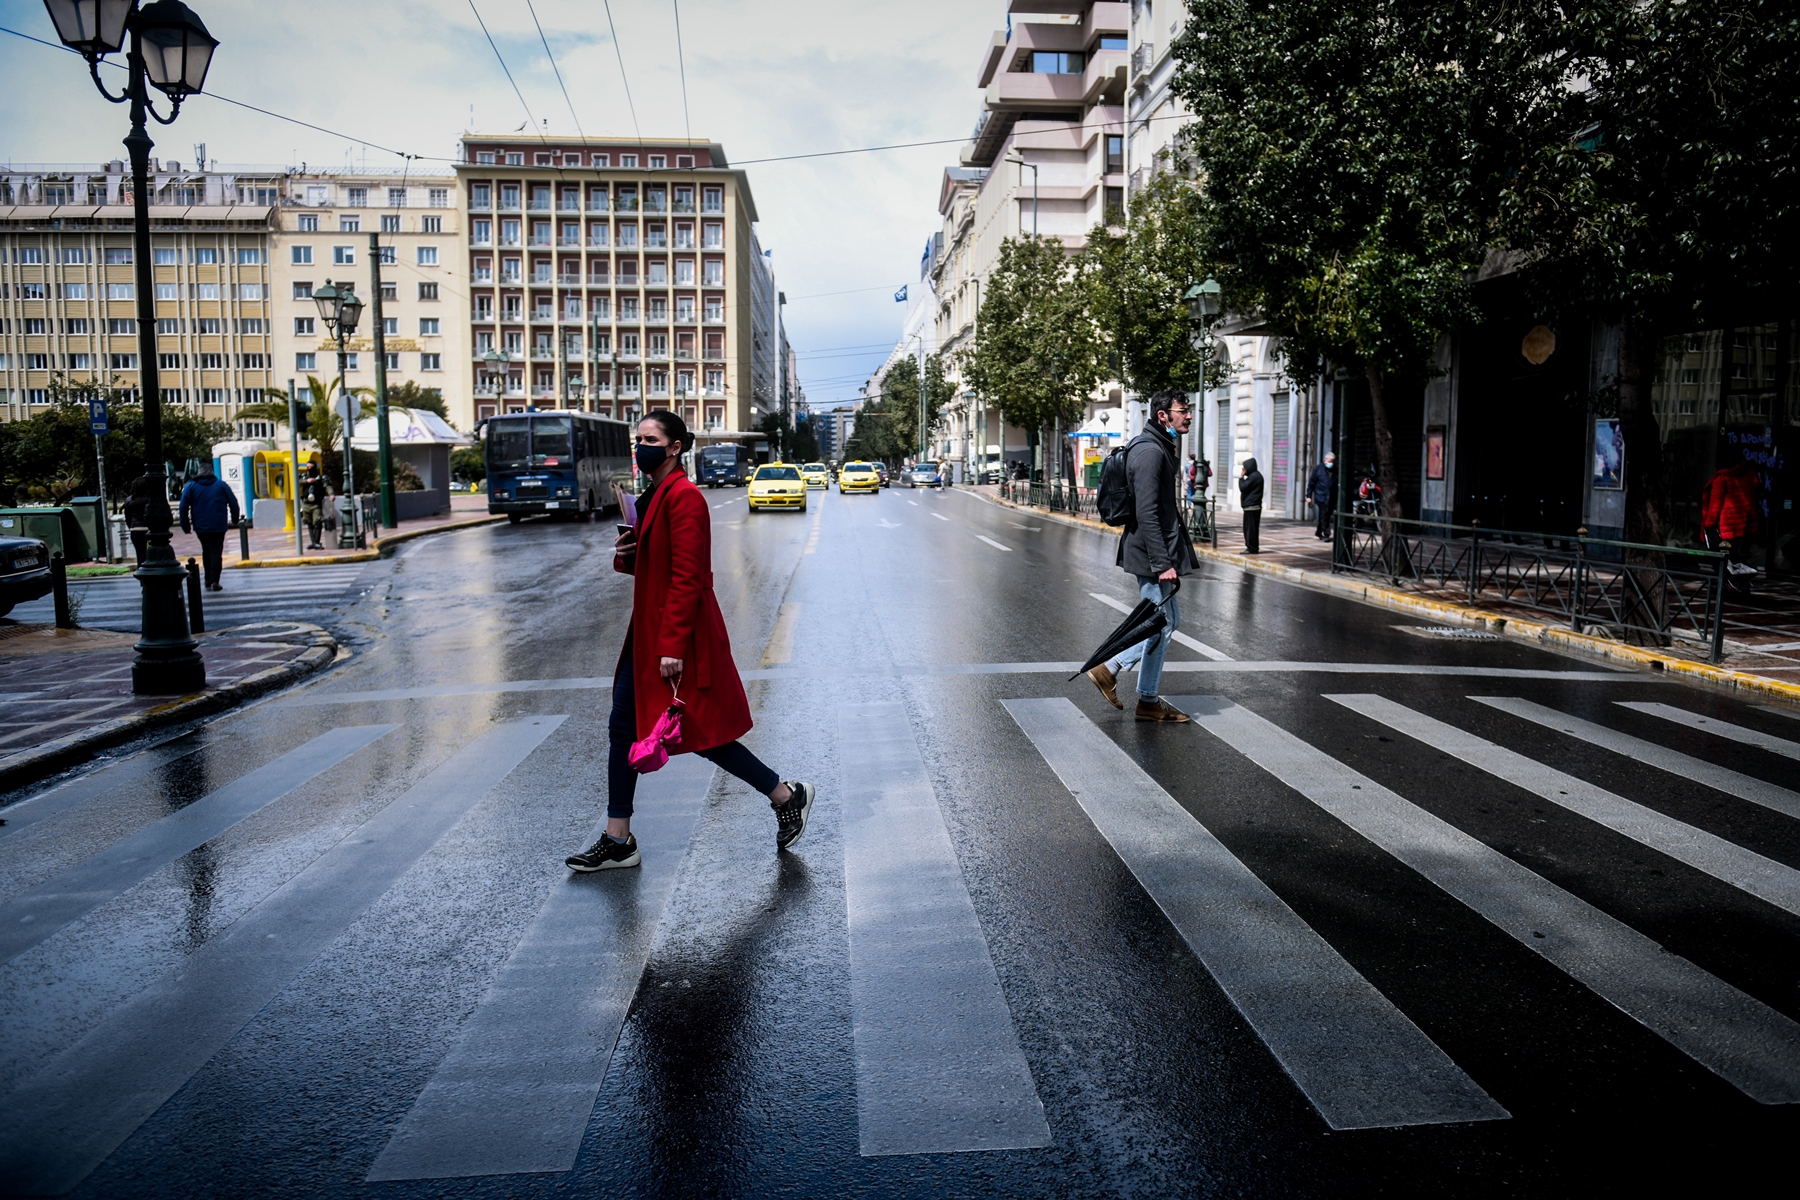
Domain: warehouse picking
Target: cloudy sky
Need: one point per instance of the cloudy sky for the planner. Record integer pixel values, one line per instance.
(763, 79)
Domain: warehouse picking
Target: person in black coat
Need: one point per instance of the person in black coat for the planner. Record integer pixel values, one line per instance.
(1321, 493)
(1250, 499)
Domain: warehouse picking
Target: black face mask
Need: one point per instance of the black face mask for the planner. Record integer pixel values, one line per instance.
(650, 457)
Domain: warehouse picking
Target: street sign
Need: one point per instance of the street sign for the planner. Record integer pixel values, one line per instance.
(97, 415)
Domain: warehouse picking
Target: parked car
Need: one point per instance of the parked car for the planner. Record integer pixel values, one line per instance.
(24, 571)
(994, 473)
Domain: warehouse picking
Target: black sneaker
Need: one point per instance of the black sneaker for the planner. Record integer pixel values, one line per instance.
(606, 854)
(790, 818)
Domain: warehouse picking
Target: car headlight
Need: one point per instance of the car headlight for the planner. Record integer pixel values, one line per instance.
(565, 491)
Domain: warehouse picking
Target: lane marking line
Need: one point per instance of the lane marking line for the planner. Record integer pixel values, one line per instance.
(1191, 643)
(1746, 870)
(69, 895)
(996, 545)
(938, 1064)
(781, 639)
(1359, 1060)
(1724, 729)
(940, 516)
(1696, 770)
(70, 1116)
(514, 1094)
(1739, 1038)
(1232, 667)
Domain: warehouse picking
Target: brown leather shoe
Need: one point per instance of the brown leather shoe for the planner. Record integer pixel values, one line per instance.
(1108, 683)
(1161, 710)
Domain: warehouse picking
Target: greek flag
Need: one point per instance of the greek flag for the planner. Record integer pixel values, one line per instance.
(900, 296)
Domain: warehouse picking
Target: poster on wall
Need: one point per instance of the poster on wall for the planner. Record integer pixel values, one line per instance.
(1609, 455)
(1434, 452)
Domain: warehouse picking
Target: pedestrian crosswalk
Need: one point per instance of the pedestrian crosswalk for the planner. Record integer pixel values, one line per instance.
(265, 594)
(941, 1061)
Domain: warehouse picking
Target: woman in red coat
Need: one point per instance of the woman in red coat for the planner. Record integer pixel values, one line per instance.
(677, 644)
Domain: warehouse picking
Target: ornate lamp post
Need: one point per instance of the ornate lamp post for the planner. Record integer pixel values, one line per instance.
(340, 309)
(576, 386)
(170, 51)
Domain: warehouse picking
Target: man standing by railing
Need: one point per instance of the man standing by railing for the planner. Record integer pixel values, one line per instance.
(1321, 493)
(1155, 548)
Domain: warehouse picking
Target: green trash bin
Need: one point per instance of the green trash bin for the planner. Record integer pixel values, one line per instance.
(56, 525)
(90, 518)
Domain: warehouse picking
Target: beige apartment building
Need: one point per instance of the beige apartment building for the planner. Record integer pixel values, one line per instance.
(625, 269)
(68, 295)
(322, 234)
(1047, 156)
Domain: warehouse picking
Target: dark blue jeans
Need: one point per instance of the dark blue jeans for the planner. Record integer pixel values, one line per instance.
(621, 729)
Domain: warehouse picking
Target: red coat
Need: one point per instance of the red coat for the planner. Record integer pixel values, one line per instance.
(675, 615)
(1729, 502)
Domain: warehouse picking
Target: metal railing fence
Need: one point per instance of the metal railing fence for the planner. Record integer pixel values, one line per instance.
(1663, 591)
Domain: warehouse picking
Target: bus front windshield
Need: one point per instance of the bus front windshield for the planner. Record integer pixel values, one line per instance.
(509, 444)
(552, 442)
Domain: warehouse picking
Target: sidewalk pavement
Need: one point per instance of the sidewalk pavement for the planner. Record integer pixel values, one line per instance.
(1762, 631)
(275, 547)
(68, 691)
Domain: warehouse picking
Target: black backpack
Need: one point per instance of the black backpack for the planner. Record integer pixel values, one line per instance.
(1114, 501)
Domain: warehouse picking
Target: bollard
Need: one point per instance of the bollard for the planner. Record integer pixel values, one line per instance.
(196, 609)
(59, 587)
(244, 538)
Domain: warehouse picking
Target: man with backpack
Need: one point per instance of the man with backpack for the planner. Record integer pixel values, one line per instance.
(1137, 491)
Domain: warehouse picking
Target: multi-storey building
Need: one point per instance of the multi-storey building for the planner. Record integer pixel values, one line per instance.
(323, 228)
(629, 266)
(68, 294)
(1047, 158)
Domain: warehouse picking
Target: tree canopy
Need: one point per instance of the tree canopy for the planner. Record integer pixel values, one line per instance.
(1039, 352)
(1137, 279)
(50, 455)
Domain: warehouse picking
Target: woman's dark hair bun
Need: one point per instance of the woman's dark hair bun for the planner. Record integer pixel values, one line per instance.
(673, 427)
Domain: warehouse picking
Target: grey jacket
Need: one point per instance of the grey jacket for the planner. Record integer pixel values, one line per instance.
(1155, 539)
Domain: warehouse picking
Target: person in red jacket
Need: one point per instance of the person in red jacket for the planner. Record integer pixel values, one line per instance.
(1728, 511)
(677, 644)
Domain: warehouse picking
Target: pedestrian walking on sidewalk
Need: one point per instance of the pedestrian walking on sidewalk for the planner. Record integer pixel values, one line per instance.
(1155, 549)
(1193, 478)
(313, 495)
(676, 647)
(209, 509)
(1321, 493)
(137, 515)
(1250, 499)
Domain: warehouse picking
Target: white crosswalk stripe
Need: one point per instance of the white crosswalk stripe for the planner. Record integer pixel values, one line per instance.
(1698, 770)
(294, 593)
(1724, 729)
(1192, 643)
(1360, 1061)
(1762, 877)
(1738, 1037)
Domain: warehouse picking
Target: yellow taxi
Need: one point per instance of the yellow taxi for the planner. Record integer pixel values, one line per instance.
(777, 485)
(858, 477)
(817, 475)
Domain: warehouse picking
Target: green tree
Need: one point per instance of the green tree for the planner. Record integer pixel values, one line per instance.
(50, 455)
(429, 399)
(805, 445)
(1039, 353)
(326, 429)
(1350, 155)
(1137, 279)
(900, 401)
(1658, 187)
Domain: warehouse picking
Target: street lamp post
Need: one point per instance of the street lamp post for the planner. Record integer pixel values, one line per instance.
(575, 385)
(171, 51)
(341, 309)
(1022, 164)
(1202, 302)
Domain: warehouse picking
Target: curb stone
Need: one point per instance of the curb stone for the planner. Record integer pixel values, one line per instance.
(322, 649)
(1543, 634)
(376, 546)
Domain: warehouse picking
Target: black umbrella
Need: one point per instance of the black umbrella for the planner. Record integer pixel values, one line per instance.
(1140, 625)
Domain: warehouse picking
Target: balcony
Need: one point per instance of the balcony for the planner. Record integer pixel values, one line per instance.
(568, 281)
(484, 316)
(599, 204)
(569, 241)
(537, 206)
(481, 240)
(713, 319)
(627, 204)
(713, 206)
(542, 354)
(655, 206)
(656, 241)
(1024, 91)
(683, 206)
(684, 243)
(569, 204)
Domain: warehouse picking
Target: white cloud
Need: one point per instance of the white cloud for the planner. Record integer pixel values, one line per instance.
(764, 80)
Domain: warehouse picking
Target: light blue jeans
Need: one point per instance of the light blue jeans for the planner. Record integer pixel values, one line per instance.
(1147, 656)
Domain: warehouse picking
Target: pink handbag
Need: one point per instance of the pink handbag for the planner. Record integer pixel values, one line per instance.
(652, 752)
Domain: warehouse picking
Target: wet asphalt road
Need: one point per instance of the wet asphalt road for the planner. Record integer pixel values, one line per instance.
(1353, 931)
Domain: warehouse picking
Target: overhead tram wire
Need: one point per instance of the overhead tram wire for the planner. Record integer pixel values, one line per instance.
(623, 78)
(553, 67)
(502, 61)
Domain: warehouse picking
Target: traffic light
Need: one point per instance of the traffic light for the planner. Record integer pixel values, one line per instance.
(302, 419)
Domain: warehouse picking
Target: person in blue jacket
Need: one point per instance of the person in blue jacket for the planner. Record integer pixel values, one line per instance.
(208, 509)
